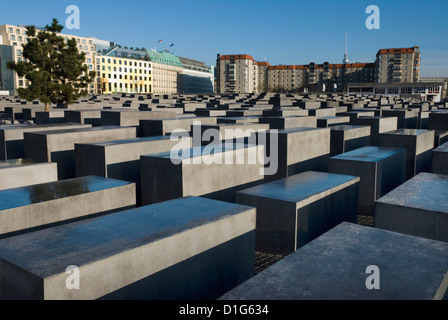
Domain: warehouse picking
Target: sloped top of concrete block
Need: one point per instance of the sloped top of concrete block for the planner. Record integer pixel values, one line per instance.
(333, 267)
(127, 141)
(16, 162)
(52, 250)
(302, 188)
(369, 154)
(425, 191)
(442, 148)
(347, 127)
(87, 129)
(18, 197)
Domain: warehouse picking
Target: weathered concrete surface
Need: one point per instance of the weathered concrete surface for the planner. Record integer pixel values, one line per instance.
(37, 206)
(378, 125)
(418, 207)
(283, 123)
(11, 137)
(334, 267)
(185, 249)
(330, 121)
(293, 211)
(132, 117)
(121, 159)
(347, 138)
(439, 160)
(59, 146)
(161, 127)
(215, 172)
(23, 172)
(90, 116)
(418, 144)
(381, 170)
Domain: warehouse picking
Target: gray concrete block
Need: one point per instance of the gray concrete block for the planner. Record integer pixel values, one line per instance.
(346, 138)
(59, 146)
(293, 211)
(439, 159)
(11, 137)
(161, 127)
(121, 159)
(378, 125)
(330, 121)
(406, 119)
(381, 170)
(215, 172)
(24, 172)
(185, 249)
(132, 117)
(238, 120)
(54, 116)
(38, 206)
(441, 137)
(418, 144)
(283, 123)
(438, 120)
(90, 116)
(418, 207)
(299, 150)
(237, 132)
(334, 267)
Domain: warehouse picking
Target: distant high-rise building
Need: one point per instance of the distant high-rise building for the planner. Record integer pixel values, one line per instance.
(398, 65)
(197, 77)
(237, 73)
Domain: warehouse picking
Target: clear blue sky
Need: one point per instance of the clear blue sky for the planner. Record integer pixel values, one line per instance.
(282, 31)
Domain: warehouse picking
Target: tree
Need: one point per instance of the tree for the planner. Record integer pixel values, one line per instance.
(55, 68)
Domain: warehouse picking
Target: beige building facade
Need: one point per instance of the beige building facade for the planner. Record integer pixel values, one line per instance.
(399, 65)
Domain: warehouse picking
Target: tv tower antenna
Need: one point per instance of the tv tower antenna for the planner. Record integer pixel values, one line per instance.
(346, 61)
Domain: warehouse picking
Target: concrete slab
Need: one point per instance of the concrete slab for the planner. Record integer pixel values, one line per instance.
(381, 170)
(407, 119)
(185, 249)
(293, 211)
(215, 172)
(439, 159)
(438, 120)
(161, 127)
(346, 138)
(299, 150)
(26, 209)
(121, 159)
(418, 144)
(59, 146)
(378, 125)
(418, 207)
(24, 172)
(283, 123)
(11, 137)
(90, 116)
(330, 121)
(341, 257)
(126, 118)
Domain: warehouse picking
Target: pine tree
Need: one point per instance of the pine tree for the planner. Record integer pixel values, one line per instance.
(54, 67)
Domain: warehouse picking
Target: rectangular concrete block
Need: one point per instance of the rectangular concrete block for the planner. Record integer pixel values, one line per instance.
(330, 121)
(342, 257)
(298, 150)
(185, 249)
(381, 170)
(237, 132)
(439, 159)
(24, 172)
(11, 137)
(407, 119)
(293, 211)
(132, 117)
(418, 144)
(438, 120)
(418, 207)
(91, 116)
(33, 207)
(215, 172)
(378, 125)
(121, 159)
(161, 127)
(283, 123)
(347, 138)
(59, 146)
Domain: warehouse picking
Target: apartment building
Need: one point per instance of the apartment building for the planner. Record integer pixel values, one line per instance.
(16, 37)
(236, 74)
(398, 65)
(242, 74)
(167, 72)
(124, 75)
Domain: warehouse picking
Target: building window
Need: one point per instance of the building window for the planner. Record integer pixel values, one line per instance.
(13, 38)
